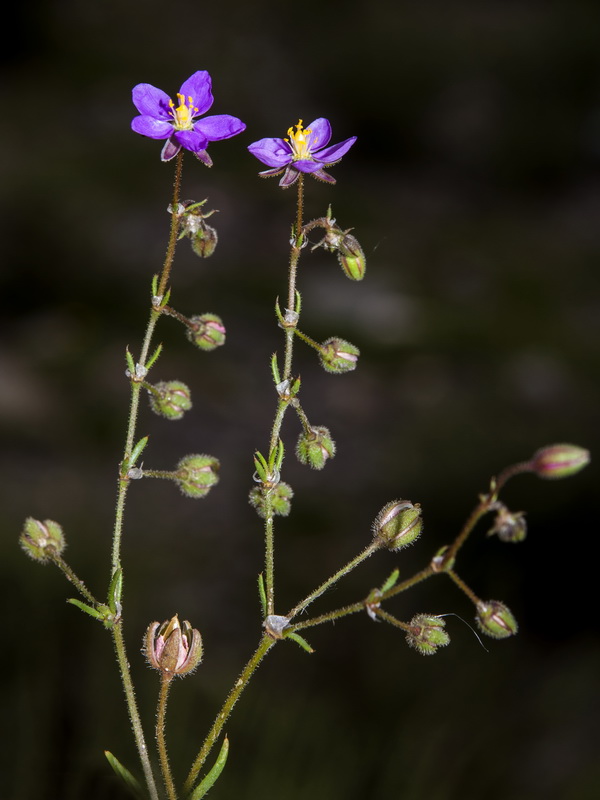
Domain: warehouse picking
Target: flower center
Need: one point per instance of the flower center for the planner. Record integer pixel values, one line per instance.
(298, 141)
(183, 114)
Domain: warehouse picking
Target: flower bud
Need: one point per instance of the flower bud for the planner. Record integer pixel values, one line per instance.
(41, 540)
(207, 331)
(173, 649)
(196, 474)
(509, 526)
(398, 524)
(351, 257)
(280, 496)
(427, 634)
(338, 355)
(315, 447)
(495, 619)
(170, 399)
(204, 242)
(559, 461)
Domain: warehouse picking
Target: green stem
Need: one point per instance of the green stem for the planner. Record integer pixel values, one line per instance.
(165, 685)
(408, 583)
(331, 616)
(70, 576)
(463, 586)
(234, 695)
(168, 263)
(134, 717)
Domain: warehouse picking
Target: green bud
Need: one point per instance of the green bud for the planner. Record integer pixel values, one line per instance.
(398, 524)
(206, 331)
(196, 474)
(173, 648)
(351, 257)
(315, 447)
(495, 619)
(559, 461)
(204, 242)
(170, 399)
(280, 495)
(337, 355)
(427, 634)
(42, 539)
(509, 526)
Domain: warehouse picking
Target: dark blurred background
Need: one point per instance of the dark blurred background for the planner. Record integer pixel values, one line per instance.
(474, 189)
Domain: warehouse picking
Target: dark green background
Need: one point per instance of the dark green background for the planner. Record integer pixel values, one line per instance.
(474, 189)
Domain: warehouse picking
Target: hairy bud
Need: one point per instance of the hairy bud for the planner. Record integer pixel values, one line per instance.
(398, 524)
(170, 399)
(427, 634)
(495, 619)
(337, 355)
(509, 526)
(559, 461)
(280, 497)
(206, 331)
(351, 257)
(40, 540)
(315, 447)
(173, 648)
(197, 474)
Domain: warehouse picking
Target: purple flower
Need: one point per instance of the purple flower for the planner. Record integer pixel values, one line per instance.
(304, 151)
(178, 123)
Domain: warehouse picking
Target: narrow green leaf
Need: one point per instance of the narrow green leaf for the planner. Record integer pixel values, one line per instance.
(262, 594)
(137, 451)
(114, 591)
(209, 781)
(154, 285)
(87, 609)
(130, 362)
(298, 302)
(154, 357)
(279, 315)
(132, 783)
(391, 581)
(295, 637)
(275, 369)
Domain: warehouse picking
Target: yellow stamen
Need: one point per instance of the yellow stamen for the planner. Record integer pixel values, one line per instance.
(298, 141)
(183, 114)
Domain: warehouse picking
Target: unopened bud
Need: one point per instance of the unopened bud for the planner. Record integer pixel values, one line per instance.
(206, 331)
(41, 540)
(559, 461)
(280, 497)
(204, 242)
(509, 526)
(398, 524)
(315, 447)
(351, 257)
(197, 474)
(337, 355)
(173, 648)
(495, 619)
(427, 634)
(170, 399)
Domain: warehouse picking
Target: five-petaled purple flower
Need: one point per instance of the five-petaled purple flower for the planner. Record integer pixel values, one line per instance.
(304, 151)
(178, 123)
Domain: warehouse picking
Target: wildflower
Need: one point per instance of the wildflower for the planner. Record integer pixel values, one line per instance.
(304, 151)
(178, 123)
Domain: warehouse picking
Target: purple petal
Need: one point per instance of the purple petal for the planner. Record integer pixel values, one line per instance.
(272, 152)
(220, 126)
(191, 140)
(152, 127)
(306, 166)
(329, 155)
(320, 133)
(199, 88)
(170, 150)
(151, 101)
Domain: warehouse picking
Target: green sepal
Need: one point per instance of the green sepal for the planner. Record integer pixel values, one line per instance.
(261, 466)
(275, 369)
(391, 581)
(276, 456)
(154, 357)
(114, 592)
(93, 612)
(130, 362)
(137, 451)
(132, 783)
(295, 637)
(280, 317)
(166, 298)
(298, 307)
(211, 778)
(262, 594)
(154, 285)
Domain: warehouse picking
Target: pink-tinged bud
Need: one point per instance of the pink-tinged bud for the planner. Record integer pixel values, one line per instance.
(559, 461)
(280, 497)
(315, 447)
(427, 634)
(41, 540)
(509, 526)
(197, 474)
(206, 331)
(495, 619)
(337, 355)
(173, 648)
(398, 524)
(170, 399)
(351, 257)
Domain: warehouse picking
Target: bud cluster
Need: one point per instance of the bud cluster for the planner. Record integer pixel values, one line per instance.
(337, 355)
(197, 474)
(495, 619)
(315, 446)
(170, 399)
(427, 634)
(279, 497)
(398, 524)
(41, 540)
(206, 331)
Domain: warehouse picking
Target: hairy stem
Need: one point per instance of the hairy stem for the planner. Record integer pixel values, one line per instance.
(165, 685)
